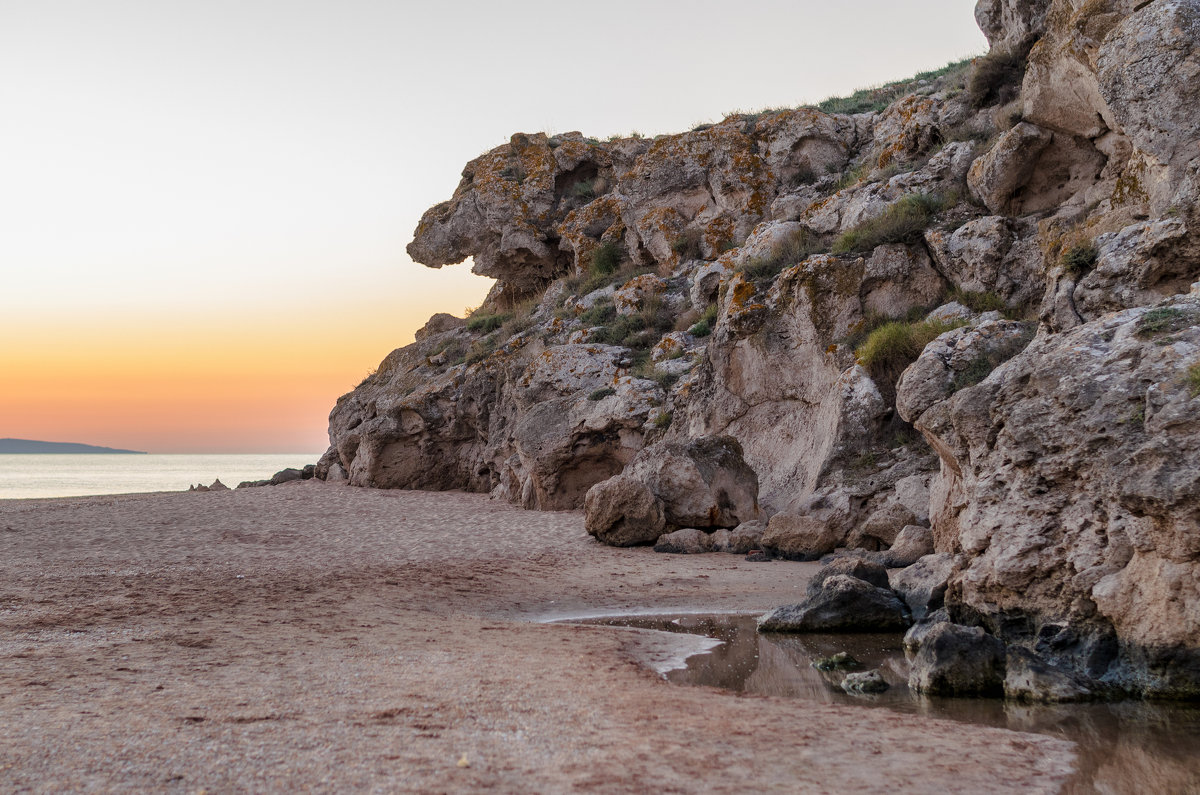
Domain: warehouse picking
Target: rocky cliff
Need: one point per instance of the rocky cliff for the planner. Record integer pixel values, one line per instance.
(959, 302)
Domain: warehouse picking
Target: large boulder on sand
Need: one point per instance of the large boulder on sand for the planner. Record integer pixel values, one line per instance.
(842, 604)
(623, 512)
(688, 541)
(700, 483)
(913, 543)
(796, 537)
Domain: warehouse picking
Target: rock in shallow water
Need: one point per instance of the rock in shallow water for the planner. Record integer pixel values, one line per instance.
(864, 682)
(954, 660)
(1030, 678)
(844, 604)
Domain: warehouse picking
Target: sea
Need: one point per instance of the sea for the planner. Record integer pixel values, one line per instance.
(66, 475)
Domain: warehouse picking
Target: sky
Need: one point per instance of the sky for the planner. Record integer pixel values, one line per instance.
(204, 204)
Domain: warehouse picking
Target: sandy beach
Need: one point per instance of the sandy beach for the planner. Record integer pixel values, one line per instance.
(321, 637)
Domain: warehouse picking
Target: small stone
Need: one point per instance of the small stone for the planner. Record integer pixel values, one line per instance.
(864, 682)
(837, 661)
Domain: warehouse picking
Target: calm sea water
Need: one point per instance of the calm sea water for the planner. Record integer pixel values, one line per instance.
(23, 476)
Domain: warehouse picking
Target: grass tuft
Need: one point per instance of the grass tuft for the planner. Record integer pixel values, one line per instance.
(1162, 320)
(893, 346)
(1193, 380)
(606, 258)
(796, 248)
(995, 79)
(486, 324)
(704, 326)
(904, 221)
(978, 302)
(1079, 258)
(876, 98)
(689, 245)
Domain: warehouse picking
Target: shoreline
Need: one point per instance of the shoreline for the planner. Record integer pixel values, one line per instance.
(330, 637)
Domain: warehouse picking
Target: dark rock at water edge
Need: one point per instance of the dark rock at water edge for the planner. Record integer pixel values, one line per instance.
(954, 660)
(843, 604)
(1030, 678)
(857, 567)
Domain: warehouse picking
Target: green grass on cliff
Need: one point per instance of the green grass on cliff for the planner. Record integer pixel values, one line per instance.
(1193, 380)
(904, 221)
(876, 98)
(487, 323)
(799, 246)
(893, 346)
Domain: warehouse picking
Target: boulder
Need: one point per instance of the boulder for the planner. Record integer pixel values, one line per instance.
(1012, 25)
(623, 512)
(999, 174)
(702, 483)
(959, 358)
(720, 540)
(917, 632)
(688, 541)
(953, 660)
(856, 567)
(1030, 678)
(913, 543)
(994, 254)
(440, 323)
(881, 528)
(800, 537)
(217, 485)
(747, 537)
(843, 604)
(922, 585)
(286, 476)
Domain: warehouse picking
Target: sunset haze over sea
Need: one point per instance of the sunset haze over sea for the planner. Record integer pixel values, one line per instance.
(206, 205)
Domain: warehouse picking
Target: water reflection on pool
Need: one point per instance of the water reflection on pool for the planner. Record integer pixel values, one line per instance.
(1129, 746)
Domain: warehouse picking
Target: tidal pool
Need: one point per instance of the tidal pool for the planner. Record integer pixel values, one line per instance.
(1126, 746)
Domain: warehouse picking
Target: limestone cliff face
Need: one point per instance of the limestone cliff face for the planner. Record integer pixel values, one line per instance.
(766, 279)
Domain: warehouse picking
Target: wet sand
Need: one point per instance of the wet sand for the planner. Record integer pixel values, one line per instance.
(328, 638)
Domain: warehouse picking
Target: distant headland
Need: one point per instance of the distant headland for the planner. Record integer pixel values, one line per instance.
(30, 446)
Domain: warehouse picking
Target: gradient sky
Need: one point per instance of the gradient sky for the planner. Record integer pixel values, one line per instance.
(205, 204)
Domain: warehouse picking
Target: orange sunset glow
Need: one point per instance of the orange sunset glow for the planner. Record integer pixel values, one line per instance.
(194, 383)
